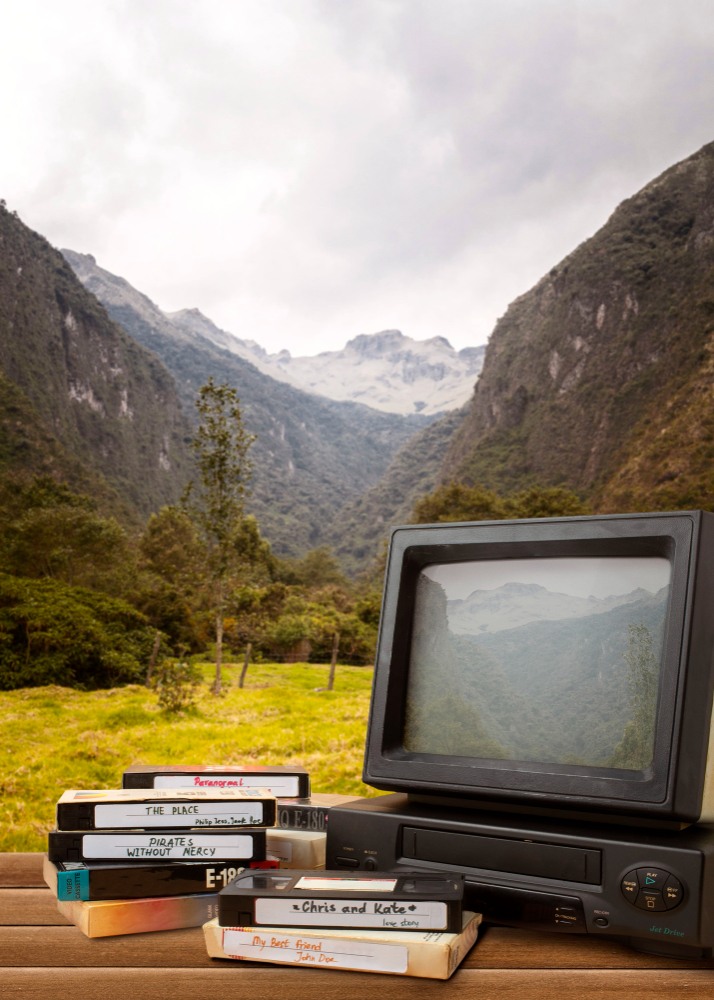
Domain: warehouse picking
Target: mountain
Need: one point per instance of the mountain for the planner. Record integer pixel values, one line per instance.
(544, 690)
(515, 604)
(311, 456)
(387, 371)
(78, 397)
(601, 377)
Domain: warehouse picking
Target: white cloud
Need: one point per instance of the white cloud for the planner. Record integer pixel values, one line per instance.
(304, 171)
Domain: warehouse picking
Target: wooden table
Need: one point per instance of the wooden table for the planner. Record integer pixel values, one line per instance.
(42, 956)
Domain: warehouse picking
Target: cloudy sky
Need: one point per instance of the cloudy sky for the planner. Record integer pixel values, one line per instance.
(303, 171)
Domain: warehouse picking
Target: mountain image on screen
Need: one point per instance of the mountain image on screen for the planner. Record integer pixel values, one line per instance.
(523, 672)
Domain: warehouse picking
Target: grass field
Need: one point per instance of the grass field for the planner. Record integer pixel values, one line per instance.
(57, 738)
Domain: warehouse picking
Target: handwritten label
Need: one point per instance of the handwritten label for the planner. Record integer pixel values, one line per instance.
(336, 953)
(274, 784)
(423, 915)
(172, 814)
(229, 847)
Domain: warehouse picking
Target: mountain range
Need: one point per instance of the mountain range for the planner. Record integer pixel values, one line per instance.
(600, 378)
(311, 456)
(515, 604)
(386, 371)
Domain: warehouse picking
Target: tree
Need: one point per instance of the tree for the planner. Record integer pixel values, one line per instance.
(456, 501)
(216, 502)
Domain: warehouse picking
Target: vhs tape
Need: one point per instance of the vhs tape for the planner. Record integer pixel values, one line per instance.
(97, 880)
(173, 845)
(311, 814)
(419, 901)
(426, 954)
(280, 781)
(297, 849)
(167, 809)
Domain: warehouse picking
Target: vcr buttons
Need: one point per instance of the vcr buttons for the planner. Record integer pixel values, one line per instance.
(652, 889)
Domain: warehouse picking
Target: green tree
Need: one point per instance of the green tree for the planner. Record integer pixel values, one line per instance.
(49, 531)
(456, 501)
(545, 501)
(459, 502)
(51, 633)
(216, 502)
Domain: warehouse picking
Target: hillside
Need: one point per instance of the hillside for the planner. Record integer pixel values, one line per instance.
(311, 456)
(600, 377)
(365, 522)
(78, 397)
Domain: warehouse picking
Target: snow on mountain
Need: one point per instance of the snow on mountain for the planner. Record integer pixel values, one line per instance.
(387, 371)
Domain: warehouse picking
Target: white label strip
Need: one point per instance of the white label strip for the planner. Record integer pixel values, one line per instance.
(275, 784)
(315, 951)
(171, 814)
(230, 847)
(320, 883)
(424, 915)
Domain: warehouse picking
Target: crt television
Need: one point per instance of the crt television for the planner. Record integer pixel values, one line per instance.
(558, 665)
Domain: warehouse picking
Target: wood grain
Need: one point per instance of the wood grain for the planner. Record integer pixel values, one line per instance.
(42, 955)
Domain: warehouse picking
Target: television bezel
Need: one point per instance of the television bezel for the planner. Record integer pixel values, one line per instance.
(676, 789)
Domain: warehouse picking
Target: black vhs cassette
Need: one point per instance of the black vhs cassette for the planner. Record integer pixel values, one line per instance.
(282, 782)
(171, 845)
(164, 809)
(93, 880)
(377, 900)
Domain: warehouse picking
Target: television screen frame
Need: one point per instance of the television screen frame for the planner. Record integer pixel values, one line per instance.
(678, 788)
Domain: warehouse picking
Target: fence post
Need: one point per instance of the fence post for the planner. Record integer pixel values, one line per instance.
(333, 661)
(246, 661)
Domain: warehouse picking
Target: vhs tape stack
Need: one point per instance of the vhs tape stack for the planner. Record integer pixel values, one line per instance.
(409, 924)
(299, 837)
(154, 858)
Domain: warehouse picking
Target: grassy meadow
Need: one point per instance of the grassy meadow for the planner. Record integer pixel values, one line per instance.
(56, 738)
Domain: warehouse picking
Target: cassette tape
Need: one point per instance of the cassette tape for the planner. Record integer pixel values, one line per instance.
(281, 781)
(170, 845)
(142, 809)
(419, 901)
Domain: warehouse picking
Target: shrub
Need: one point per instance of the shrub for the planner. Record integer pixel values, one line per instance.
(51, 633)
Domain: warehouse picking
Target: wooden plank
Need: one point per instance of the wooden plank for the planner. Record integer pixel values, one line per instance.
(243, 980)
(47, 947)
(514, 948)
(498, 948)
(21, 870)
(29, 907)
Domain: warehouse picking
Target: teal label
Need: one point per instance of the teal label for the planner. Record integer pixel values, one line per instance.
(73, 885)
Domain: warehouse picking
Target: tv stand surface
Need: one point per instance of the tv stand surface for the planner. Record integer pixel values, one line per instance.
(42, 955)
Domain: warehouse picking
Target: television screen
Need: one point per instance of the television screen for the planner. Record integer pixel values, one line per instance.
(552, 660)
(561, 664)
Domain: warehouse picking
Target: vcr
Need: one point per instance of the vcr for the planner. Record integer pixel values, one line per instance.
(655, 889)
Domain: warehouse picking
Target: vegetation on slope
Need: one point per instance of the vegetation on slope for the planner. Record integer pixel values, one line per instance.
(603, 365)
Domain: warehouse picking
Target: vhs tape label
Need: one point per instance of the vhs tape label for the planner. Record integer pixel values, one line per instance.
(175, 847)
(194, 814)
(336, 953)
(287, 786)
(425, 915)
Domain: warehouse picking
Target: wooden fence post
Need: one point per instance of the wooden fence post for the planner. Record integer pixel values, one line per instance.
(333, 661)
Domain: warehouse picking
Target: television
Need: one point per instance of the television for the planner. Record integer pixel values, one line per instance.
(562, 666)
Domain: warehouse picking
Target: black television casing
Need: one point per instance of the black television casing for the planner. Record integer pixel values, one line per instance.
(678, 788)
